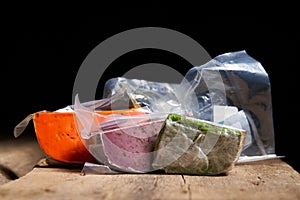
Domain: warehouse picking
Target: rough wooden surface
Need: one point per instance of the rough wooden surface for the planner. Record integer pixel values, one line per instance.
(21, 177)
(270, 179)
(18, 157)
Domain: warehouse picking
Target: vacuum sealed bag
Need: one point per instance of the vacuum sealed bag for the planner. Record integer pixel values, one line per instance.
(188, 145)
(122, 142)
(57, 131)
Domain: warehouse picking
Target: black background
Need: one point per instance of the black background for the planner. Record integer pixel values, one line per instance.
(42, 54)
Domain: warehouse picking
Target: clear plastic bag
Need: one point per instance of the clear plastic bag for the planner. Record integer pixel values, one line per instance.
(157, 96)
(124, 141)
(237, 79)
(232, 79)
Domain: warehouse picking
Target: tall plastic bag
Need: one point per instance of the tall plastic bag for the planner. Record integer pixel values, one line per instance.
(237, 79)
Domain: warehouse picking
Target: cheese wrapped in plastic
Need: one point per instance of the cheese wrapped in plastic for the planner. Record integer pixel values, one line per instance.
(188, 145)
(121, 142)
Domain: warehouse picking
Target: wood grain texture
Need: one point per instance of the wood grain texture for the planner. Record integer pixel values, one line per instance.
(269, 179)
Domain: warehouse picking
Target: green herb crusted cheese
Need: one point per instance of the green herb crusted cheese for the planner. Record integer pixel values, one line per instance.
(187, 145)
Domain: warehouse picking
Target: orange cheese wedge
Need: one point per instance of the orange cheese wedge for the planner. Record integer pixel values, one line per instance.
(58, 136)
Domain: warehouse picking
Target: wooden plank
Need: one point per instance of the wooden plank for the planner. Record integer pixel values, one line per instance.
(272, 179)
(18, 157)
(269, 179)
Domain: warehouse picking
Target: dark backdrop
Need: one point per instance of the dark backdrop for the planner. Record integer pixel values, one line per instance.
(43, 53)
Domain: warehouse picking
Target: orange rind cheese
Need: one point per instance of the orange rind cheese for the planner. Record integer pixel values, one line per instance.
(59, 138)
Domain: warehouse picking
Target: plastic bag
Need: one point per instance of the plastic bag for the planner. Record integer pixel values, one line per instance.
(237, 79)
(188, 145)
(157, 96)
(57, 133)
(232, 79)
(121, 142)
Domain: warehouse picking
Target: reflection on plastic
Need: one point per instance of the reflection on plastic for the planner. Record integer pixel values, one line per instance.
(92, 168)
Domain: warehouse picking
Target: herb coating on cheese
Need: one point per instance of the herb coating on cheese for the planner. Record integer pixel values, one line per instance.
(187, 145)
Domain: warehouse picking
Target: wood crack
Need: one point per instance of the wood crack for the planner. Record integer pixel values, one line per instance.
(186, 187)
(8, 173)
